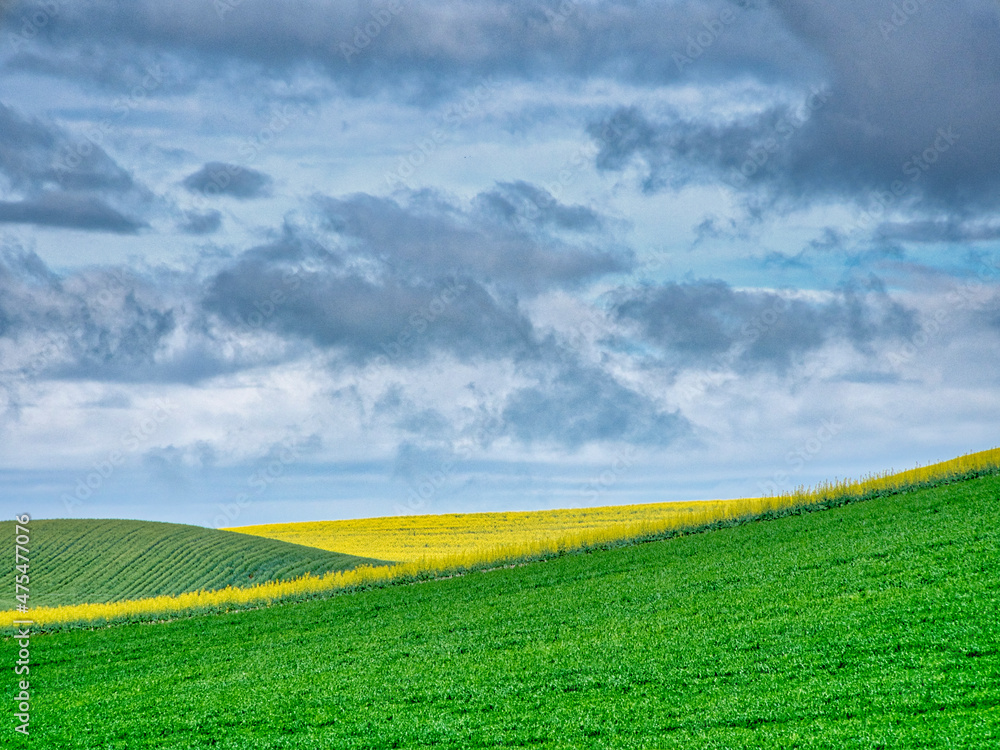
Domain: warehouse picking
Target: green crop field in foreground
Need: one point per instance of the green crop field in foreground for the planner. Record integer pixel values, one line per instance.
(874, 625)
(94, 560)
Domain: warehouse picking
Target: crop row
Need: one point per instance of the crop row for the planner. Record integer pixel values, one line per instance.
(95, 560)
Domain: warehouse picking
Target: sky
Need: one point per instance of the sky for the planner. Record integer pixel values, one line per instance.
(286, 261)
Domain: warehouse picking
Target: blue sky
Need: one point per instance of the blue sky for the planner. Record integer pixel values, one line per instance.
(292, 261)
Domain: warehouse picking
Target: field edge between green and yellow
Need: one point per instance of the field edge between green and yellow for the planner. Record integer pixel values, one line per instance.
(723, 514)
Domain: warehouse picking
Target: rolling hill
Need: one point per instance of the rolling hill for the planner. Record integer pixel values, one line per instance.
(869, 625)
(95, 560)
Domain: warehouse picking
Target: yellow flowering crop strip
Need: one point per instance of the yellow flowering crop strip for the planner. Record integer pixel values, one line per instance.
(432, 546)
(441, 537)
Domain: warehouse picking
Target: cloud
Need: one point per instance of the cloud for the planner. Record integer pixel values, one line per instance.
(201, 222)
(111, 324)
(521, 202)
(218, 178)
(26, 150)
(370, 47)
(396, 320)
(35, 155)
(500, 239)
(698, 324)
(580, 404)
(885, 120)
(70, 211)
(950, 230)
(63, 183)
(101, 324)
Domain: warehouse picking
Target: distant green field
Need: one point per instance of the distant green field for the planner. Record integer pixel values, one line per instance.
(874, 625)
(91, 560)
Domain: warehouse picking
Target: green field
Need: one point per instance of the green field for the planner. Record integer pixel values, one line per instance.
(91, 560)
(873, 625)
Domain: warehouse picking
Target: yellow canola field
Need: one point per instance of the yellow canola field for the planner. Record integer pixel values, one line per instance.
(438, 537)
(427, 546)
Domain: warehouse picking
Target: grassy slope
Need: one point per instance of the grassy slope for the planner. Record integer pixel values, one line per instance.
(870, 625)
(91, 560)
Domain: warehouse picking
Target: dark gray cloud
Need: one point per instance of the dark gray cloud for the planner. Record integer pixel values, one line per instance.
(111, 324)
(201, 222)
(68, 210)
(26, 150)
(580, 404)
(431, 236)
(435, 47)
(35, 156)
(396, 321)
(701, 323)
(904, 114)
(521, 202)
(219, 178)
(438, 288)
(59, 182)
